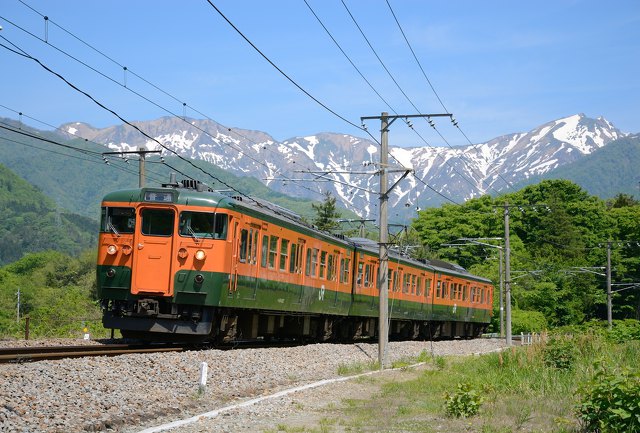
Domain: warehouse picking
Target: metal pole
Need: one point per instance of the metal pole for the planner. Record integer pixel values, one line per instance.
(141, 167)
(507, 272)
(609, 309)
(18, 307)
(383, 272)
(501, 279)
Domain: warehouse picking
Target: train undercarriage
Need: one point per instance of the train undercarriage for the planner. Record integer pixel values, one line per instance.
(148, 319)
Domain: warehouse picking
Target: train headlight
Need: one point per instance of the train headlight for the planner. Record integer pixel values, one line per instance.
(111, 273)
(183, 253)
(200, 255)
(198, 279)
(126, 249)
(112, 249)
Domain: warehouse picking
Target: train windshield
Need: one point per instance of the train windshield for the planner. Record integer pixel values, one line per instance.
(157, 222)
(118, 220)
(203, 225)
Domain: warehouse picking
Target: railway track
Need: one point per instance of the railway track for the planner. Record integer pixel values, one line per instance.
(41, 353)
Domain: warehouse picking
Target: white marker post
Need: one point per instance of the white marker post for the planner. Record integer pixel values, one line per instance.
(203, 378)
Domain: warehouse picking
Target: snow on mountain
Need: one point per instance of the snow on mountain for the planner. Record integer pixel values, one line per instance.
(345, 165)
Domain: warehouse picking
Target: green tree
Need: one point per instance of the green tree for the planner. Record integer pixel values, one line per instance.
(326, 214)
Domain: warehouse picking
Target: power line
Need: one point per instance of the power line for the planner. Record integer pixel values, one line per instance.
(24, 54)
(438, 154)
(455, 123)
(124, 85)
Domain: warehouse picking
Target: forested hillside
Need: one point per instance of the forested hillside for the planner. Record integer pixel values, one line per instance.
(32, 222)
(610, 170)
(559, 236)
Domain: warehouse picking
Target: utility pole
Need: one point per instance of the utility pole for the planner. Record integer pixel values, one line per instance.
(501, 279)
(18, 307)
(507, 273)
(141, 159)
(477, 241)
(609, 309)
(383, 269)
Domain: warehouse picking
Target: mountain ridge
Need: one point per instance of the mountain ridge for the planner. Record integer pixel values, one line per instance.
(334, 162)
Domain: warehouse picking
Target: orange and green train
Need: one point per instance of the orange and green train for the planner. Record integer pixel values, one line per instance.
(182, 262)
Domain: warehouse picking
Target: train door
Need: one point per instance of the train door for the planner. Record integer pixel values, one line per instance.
(247, 261)
(153, 258)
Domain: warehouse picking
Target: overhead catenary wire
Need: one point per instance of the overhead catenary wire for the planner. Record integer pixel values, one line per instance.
(384, 66)
(127, 70)
(97, 160)
(455, 124)
(438, 154)
(22, 53)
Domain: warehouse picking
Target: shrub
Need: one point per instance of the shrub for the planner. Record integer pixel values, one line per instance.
(611, 402)
(559, 353)
(463, 403)
(527, 321)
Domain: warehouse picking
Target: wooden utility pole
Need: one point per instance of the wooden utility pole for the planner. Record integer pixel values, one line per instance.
(383, 269)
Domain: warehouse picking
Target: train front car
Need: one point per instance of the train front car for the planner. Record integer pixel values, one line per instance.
(161, 261)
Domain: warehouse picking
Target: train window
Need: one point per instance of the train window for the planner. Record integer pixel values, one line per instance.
(445, 289)
(360, 274)
(284, 255)
(344, 270)
(244, 236)
(157, 222)
(368, 275)
(453, 291)
(308, 265)
(427, 287)
(203, 225)
(396, 281)
(405, 283)
(118, 220)
(413, 284)
(482, 295)
(292, 258)
(265, 250)
(439, 290)
(323, 263)
(465, 293)
(314, 261)
(273, 251)
(331, 268)
(254, 250)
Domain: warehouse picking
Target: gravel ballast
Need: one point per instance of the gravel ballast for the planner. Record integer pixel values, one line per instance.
(130, 392)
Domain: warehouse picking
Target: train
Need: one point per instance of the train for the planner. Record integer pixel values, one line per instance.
(182, 262)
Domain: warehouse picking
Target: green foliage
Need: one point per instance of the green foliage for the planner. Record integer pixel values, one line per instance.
(326, 214)
(555, 230)
(463, 403)
(559, 353)
(57, 294)
(31, 222)
(527, 321)
(611, 401)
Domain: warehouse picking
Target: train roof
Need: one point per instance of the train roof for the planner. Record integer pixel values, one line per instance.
(193, 193)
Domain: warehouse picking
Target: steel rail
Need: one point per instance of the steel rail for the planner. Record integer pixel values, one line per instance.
(41, 353)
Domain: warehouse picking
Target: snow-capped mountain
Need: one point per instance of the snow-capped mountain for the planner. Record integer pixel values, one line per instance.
(340, 163)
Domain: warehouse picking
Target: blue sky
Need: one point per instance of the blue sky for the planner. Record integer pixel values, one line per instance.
(498, 66)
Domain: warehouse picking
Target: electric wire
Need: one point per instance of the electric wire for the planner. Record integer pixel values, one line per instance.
(242, 152)
(424, 74)
(24, 54)
(462, 157)
(94, 161)
(438, 154)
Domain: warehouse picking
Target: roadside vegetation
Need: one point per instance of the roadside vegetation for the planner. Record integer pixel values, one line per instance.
(584, 381)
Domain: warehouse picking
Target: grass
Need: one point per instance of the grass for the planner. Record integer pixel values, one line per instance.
(525, 389)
